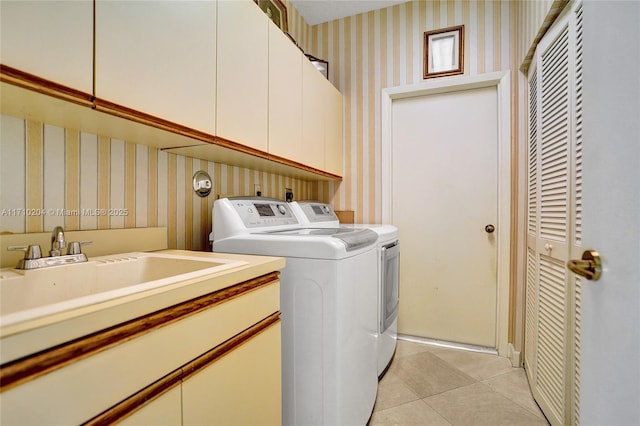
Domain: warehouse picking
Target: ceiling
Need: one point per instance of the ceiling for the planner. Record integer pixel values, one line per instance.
(319, 11)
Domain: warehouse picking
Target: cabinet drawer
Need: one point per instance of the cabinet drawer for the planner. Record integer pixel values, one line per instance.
(135, 354)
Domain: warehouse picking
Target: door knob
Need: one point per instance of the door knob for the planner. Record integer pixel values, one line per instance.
(590, 266)
(489, 229)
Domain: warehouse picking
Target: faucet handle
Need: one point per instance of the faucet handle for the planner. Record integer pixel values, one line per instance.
(74, 247)
(58, 243)
(30, 252)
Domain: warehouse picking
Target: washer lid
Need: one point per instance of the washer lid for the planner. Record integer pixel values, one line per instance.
(385, 232)
(353, 239)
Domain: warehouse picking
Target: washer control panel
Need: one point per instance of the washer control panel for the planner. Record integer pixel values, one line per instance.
(317, 212)
(257, 213)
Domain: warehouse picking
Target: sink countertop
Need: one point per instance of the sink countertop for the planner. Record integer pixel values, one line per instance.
(21, 339)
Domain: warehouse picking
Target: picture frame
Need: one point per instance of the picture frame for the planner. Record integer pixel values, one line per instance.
(276, 11)
(444, 52)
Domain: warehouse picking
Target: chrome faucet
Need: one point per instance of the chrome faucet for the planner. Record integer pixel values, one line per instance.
(58, 244)
(33, 254)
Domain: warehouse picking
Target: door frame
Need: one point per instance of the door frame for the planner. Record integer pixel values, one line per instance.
(500, 80)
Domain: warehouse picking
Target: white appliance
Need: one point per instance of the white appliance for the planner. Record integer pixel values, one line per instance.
(313, 214)
(328, 294)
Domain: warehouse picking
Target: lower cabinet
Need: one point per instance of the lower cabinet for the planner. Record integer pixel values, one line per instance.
(241, 388)
(166, 410)
(212, 360)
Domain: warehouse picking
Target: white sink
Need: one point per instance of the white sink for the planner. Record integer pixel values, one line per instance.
(34, 293)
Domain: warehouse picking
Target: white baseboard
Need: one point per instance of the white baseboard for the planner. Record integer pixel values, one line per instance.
(447, 344)
(514, 356)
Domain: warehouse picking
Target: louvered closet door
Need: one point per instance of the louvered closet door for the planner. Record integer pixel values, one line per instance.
(576, 246)
(554, 207)
(531, 306)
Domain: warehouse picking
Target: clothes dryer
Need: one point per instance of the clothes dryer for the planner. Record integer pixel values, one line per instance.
(314, 214)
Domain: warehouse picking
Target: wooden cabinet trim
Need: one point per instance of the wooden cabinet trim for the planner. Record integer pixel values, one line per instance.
(276, 158)
(34, 83)
(297, 165)
(33, 366)
(137, 401)
(111, 108)
(46, 87)
(208, 358)
(147, 395)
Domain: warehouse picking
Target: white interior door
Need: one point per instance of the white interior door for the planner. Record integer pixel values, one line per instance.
(445, 192)
(610, 337)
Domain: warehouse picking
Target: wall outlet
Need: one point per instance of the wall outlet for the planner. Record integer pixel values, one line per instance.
(257, 190)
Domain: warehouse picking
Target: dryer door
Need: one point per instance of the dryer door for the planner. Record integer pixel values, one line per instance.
(390, 297)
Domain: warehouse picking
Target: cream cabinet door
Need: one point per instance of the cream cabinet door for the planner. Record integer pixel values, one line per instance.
(53, 40)
(243, 79)
(313, 116)
(243, 387)
(333, 155)
(322, 125)
(159, 58)
(285, 96)
(165, 410)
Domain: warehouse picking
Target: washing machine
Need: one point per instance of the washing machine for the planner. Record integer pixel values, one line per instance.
(314, 214)
(328, 295)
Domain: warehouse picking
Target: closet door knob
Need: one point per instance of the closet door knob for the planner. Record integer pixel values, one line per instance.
(590, 266)
(489, 229)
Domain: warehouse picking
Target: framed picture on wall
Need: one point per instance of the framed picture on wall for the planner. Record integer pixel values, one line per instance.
(444, 52)
(276, 11)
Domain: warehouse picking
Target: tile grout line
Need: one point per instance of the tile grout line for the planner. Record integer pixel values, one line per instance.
(450, 364)
(538, 413)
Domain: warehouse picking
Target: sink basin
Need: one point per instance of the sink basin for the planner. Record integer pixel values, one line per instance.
(33, 293)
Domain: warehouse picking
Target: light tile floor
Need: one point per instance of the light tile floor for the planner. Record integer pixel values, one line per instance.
(431, 385)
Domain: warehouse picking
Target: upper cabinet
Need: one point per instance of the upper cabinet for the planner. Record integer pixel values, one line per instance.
(243, 73)
(285, 96)
(158, 58)
(333, 141)
(53, 40)
(313, 115)
(215, 80)
(321, 121)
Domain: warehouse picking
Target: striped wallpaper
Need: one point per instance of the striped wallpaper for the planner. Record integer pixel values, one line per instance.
(384, 48)
(53, 176)
(45, 166)
(533, 18)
